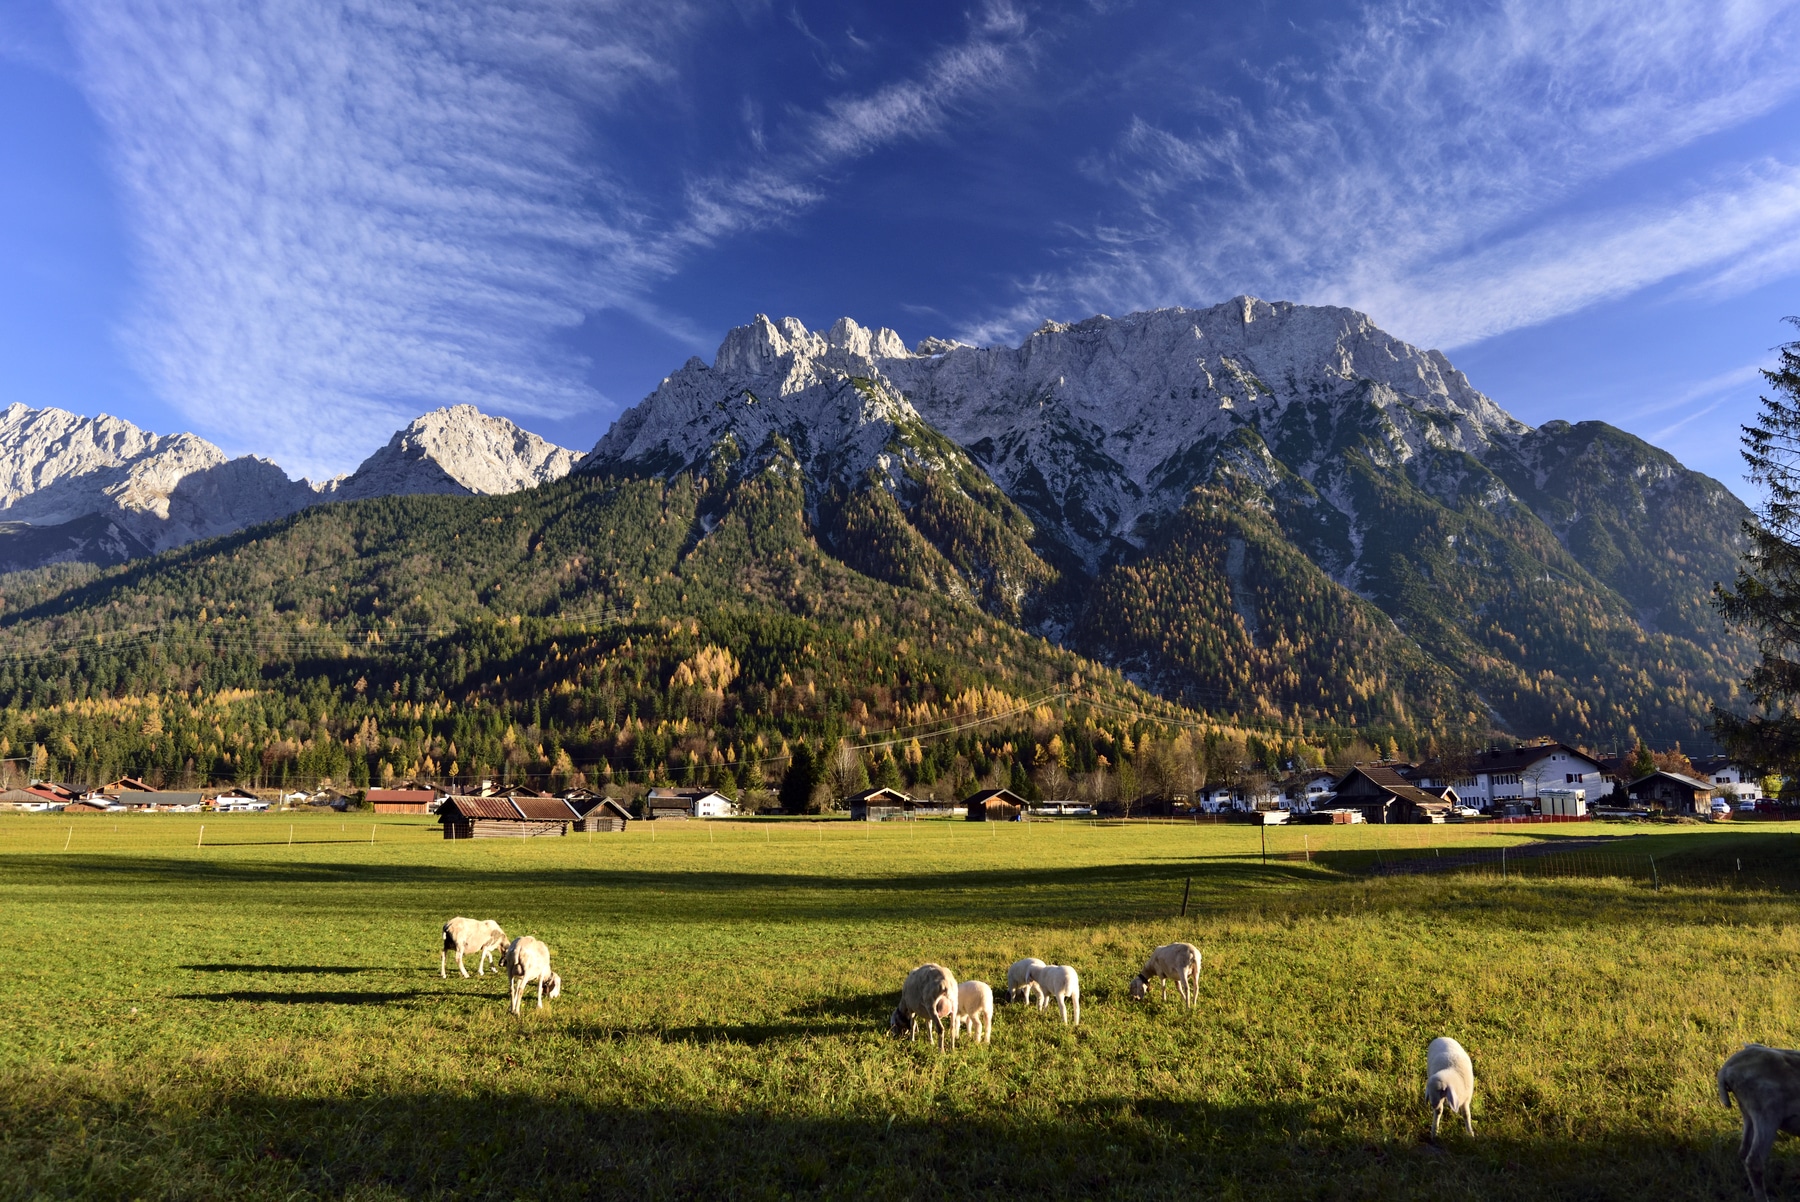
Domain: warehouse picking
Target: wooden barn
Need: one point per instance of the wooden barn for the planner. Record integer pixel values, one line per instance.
(1671, 792)
(1383, 795)
(600, 814)
(401, 801)
(995, 805)
(506, 817)
(878, 805)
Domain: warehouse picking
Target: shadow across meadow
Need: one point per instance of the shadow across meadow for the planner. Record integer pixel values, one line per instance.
(524, 1143)
(1046, 898)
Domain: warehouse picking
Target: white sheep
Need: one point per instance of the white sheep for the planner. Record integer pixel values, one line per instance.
(1018, 979)
(466, 936)
(1449, 1080)
(1766, 1083)
(929, 993)
(527, 959)
(1061, 982)
(975, 1007)
(1177, 962)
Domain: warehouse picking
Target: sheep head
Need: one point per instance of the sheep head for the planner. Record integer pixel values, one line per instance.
(1440, 1089)
(1140, 988)
(555, 985)
(901, 1023)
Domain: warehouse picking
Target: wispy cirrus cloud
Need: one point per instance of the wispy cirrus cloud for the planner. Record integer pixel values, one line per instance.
(349, 211)
(1456, 171)
(346, 212)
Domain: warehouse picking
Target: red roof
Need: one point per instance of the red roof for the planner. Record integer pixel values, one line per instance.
(413, 795)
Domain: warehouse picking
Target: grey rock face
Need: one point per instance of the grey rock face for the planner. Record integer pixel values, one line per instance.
(457, 450)
(1095, 429)
(159, 491)
(101, 490)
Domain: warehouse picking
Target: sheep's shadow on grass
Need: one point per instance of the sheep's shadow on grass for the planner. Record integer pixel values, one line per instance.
(296, 969)
(521, 1143)
(866, 1007)
(302, 998)
(751, 1035)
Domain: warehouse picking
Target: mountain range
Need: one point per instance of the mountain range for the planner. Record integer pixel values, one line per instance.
(100, 490)
(1271, 511)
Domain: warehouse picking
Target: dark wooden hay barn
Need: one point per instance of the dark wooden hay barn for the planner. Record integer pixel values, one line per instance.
(603, 814)
(995, 805)
(505, 817)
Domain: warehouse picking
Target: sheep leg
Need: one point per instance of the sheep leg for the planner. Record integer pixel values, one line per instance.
(540, 993)
(1078, 1009)
(1165, 985)
(1062, 1003)
(443, 962)
(1437, 1118)
(1468, 1119)
(1756, 1162)
(460, 966)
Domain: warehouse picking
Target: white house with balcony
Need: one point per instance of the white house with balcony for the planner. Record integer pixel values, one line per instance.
(1521, 773)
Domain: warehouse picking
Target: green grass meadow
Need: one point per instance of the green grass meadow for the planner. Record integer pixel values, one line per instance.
(259, 1018)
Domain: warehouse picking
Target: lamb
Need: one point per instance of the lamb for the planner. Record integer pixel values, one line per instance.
(1061, 982)
(1766, 1083)
(1177, 962)
(527, 959)
(975, 1006)
(466, 936)
(1449, 1079)
(1018, 979)
(929, 993)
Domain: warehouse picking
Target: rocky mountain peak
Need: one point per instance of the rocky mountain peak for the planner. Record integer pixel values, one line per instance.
(457, 450)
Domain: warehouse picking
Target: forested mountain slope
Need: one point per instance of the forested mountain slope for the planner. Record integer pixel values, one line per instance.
(1552, 579)
(1268, 518)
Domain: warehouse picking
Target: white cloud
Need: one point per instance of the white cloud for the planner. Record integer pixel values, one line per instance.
(346, 213)
(1453, 170)
(349, 211)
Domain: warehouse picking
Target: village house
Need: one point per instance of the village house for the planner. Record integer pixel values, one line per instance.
(1744, 784)
(1308, 791)
(687, 803)
(1517, 773)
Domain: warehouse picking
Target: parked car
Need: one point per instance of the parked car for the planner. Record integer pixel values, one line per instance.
(1746, 807)
(1769, 806)
(1720, 808)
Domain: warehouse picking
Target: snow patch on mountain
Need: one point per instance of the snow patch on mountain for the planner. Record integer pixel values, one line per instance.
(1097, 428)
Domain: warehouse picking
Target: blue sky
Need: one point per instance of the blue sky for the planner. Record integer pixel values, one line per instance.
(292, 225)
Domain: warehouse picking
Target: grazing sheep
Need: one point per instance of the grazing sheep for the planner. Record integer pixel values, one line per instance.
(1018, 979)
(466, 936)
(929, 993)
(1766, 1083)
(1061, 982)
(1177, 962)
(528, 960)
(1449, 1080)
(975, 1006)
